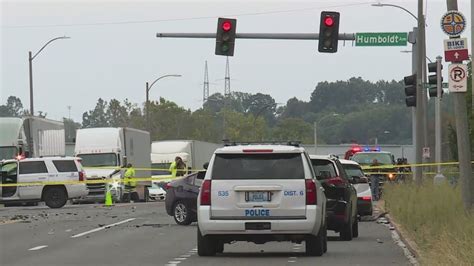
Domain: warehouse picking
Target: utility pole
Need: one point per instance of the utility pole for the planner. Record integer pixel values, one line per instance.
(424, 91)
(463, 142)
(419, 96)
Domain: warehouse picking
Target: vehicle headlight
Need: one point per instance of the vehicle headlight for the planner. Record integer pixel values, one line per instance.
(391, 176)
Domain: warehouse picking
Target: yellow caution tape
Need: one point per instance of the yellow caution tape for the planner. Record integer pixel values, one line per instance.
(141, 169)
(95, 181)
(408, 165)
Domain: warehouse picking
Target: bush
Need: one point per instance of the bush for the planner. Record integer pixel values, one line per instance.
(434, 218)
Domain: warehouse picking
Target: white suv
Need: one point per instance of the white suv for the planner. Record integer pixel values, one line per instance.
(261, 193)
(62, 172)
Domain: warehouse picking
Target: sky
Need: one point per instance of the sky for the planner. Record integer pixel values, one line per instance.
(113, 49)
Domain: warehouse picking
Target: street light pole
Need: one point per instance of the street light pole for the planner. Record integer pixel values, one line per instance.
(147, 101)
(315, 128)
(30, 62)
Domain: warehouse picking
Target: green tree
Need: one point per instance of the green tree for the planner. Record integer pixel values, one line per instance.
(116, 114)
(293, 129)
(13, 107)
(96, 117)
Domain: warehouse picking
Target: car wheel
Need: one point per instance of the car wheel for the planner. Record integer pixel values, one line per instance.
(220, 247)
(207, 246)
(325, 238)
(355, 228)
(315, 244)
(55, 197)
(147, 195)
(181, 213)
(346, 231)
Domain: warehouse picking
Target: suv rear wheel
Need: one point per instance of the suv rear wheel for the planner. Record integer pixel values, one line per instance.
(207, 246)
(55, 197)
(346, 231)
(316, 245)
(181, 213)
(355, 228)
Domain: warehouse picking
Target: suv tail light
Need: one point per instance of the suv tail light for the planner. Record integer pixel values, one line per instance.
(311, 197)
(206, 193)
(336, 181)
(168, 186)
(82, 176)
(366, 198)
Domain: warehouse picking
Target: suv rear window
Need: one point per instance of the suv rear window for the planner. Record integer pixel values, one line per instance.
(65, 166)
(353, 170)
(258, 166)
(324, 169)
(35, 167)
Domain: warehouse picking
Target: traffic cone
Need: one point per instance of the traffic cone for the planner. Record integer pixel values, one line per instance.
(108, 199)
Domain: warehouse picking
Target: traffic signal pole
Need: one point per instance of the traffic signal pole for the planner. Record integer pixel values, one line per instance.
(439, 91)
(414, 57)
(462, 134)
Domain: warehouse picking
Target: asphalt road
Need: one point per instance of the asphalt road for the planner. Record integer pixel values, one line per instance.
(143, 234)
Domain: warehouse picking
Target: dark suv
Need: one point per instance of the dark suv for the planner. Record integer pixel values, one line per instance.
(181, 197)
(341, 196)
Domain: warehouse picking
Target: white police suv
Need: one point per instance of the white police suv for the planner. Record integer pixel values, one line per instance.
(261, 193)
(62, 173)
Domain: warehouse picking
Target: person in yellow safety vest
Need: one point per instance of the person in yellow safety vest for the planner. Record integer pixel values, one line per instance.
(178, 167)
(129, 179)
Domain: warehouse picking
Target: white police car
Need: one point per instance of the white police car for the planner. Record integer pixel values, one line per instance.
(261, 193)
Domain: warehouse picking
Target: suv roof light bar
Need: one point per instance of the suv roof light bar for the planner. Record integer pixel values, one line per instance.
(272, 142)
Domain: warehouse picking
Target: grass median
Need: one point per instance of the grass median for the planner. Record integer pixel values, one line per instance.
(434, 218)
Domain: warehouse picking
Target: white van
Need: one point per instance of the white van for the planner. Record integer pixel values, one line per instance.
(64, 172)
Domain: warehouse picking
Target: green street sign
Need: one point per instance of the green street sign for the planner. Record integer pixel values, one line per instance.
(381, 39)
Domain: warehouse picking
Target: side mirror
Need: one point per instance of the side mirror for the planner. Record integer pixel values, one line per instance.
(206, 165)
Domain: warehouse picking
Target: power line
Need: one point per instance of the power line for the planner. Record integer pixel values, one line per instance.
(182, 19)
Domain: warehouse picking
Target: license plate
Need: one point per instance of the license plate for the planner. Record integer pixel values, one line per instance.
(257, 196)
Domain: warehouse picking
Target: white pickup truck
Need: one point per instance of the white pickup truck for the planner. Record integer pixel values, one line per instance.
(56, 170)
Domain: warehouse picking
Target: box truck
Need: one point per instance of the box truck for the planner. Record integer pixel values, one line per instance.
(194, 153)
(31, 137)
(104, 150)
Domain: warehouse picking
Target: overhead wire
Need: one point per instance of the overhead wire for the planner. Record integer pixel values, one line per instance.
(182, 19)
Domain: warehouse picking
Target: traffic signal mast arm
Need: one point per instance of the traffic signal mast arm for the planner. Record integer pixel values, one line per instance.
(268, 36)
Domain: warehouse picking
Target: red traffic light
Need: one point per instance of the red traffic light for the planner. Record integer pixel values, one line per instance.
(328, 21)
(227, 25)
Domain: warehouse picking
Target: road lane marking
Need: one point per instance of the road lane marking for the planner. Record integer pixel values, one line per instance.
(174, 262)
(38, 247)
(102, 228)
(186, 256)
(180, 258)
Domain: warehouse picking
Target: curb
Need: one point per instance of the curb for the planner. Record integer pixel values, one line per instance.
(410, 244)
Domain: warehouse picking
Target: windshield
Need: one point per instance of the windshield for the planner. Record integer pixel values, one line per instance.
(7, 152)
(99, 159)
(368, 158)
(160, 169)
(258, 166)
(353, 170)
